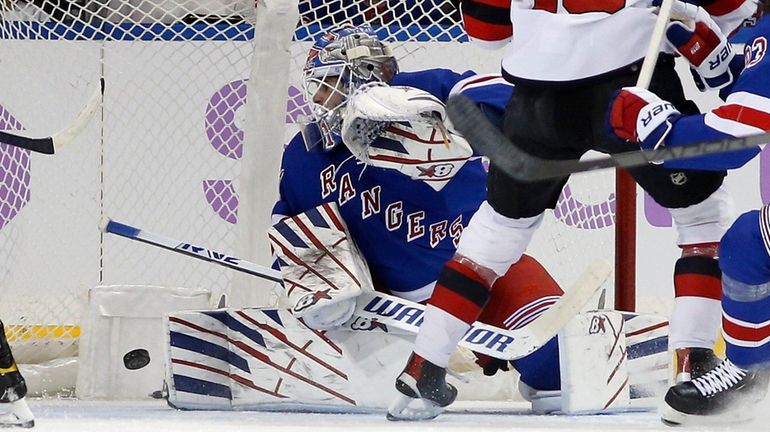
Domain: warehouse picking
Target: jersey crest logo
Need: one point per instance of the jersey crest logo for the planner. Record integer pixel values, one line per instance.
(755, 52)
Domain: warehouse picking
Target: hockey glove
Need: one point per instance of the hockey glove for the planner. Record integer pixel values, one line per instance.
(640, 116)
(699, 40)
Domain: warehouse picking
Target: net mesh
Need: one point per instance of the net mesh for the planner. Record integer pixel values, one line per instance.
(163, 153)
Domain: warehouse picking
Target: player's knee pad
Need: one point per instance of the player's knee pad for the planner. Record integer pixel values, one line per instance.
(706, 221)
(495, 241)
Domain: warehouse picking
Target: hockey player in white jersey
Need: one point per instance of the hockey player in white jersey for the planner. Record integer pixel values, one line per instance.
(727, 391)
(13, 407)
(567, 57)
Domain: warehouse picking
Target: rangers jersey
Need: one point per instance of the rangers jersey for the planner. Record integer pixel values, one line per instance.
(746, 110)
(405, 229)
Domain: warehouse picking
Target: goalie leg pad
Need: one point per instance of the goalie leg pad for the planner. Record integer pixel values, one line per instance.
(266, 359)
(593, 363)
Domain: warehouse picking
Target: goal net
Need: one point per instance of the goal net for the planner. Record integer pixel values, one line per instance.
(179, 149)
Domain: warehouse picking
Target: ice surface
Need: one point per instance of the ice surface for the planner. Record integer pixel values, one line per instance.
(155, 416)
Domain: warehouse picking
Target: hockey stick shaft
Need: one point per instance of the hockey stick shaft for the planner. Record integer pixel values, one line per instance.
(653, 50)
(483, 338)
(189, 249)
(49, 145)
(490, 141)
(374, 307)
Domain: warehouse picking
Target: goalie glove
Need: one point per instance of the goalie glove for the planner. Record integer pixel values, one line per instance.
(640, 116)
(374, 106)
(402, 128)
(323, 270)
(699, 40)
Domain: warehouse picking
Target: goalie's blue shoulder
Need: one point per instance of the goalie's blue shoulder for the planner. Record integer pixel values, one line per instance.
(405, 228)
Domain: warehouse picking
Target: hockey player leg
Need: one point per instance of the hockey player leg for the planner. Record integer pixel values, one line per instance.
(697, 312)
(728, 391)
(460, 294)
(518, 298)
(12, 389)
(488, 247)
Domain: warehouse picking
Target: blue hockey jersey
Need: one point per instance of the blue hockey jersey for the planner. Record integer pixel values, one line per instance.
(746, 110)
(405, 229)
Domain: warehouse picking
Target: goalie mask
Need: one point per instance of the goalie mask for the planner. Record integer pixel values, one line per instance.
(338, 63)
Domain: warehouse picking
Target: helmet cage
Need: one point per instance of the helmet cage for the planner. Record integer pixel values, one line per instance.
(340, 63)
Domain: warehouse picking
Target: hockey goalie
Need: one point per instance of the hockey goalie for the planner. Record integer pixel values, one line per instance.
(373, 197)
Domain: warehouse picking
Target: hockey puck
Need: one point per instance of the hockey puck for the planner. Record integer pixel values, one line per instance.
(136, 359)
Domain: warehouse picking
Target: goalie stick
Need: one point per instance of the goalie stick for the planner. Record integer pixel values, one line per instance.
(377, 308)
(49, 145)
(490, 141)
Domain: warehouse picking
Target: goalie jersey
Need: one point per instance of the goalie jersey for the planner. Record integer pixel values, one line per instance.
(746, 110)
(405, 229)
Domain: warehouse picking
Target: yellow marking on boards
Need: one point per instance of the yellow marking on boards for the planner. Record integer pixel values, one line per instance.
(27, 333)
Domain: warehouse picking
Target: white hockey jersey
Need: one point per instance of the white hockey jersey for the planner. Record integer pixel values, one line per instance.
(572, 40)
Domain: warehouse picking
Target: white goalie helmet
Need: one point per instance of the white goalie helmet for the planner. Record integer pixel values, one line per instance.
(338, 63)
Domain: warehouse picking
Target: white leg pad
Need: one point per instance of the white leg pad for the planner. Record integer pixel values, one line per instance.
(593, 363)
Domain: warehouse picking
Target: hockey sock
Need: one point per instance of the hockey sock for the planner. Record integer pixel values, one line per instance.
(746, 322)
(698, 290)
(460, 295)
(518, 297)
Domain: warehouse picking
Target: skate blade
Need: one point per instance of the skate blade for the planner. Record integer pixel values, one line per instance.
(406, 408)
(18, 416)
(671, 417)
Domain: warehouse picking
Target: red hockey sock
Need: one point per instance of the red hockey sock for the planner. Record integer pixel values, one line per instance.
(460, 291)
(697, 313)
(698, 276)
(521, 295)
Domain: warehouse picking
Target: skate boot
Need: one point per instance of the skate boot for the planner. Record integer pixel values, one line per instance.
(424, 391)
(13, 408)
(726, 393)
(694, 362)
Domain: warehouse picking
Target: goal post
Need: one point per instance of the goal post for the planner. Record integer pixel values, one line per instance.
(200, 97)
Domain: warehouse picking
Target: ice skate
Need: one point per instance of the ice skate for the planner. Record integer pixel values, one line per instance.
(726, 393)
(424, 391)
(694, 362)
